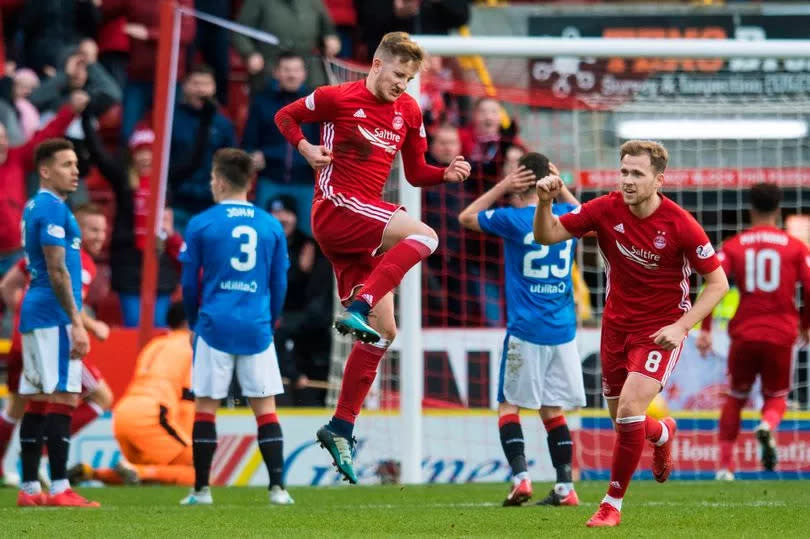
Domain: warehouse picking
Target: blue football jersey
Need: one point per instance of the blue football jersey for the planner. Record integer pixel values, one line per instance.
(48, 221)
(234, 276)
(539, 297)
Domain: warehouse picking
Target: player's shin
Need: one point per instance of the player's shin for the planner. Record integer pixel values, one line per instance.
(561, 449)
(772, 411)
(32, 429)
(359, 374)
(57, 432)
(395, 264)
(513, 445)
(7, 425)
(729, 429)
(204, 439)
(271, 445)
(627, 451)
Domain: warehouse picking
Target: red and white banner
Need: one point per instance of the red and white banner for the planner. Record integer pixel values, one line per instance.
(705, 177)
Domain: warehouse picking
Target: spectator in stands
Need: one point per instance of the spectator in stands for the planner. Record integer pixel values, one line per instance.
(192, 190)
(442, 206)
(345, 18)
(113, 42)
(25, 82)
(129, 177)
(301, 26)
(51, 26)
(78, 71)
(282, 170)
(376, 18)
(15, 163)
(142, 28)
(213, 43)
(303, 336)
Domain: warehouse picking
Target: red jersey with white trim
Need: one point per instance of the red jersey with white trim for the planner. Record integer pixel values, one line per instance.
(364, 135)
(767, 263)
(647, 261)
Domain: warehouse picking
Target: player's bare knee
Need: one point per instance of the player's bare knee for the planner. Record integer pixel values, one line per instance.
(102, 396)
(550, 412)
(427, 237)
(388, 333)
(504, 408)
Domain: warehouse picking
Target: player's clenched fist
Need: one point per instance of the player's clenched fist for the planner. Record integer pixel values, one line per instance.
(669, 337)
(318, 157)
(548, 188)
(458, 170)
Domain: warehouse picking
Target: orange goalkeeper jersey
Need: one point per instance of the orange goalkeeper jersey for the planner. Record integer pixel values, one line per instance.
(163, 375)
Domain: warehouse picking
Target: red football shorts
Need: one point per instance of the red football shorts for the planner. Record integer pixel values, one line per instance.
(349, 230)
(91, 376)
(773, 363)
(624, 352)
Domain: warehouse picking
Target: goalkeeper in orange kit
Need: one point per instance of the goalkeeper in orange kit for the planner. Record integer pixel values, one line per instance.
(153, 420)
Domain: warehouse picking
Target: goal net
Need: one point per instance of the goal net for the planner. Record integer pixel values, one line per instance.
(727, 123)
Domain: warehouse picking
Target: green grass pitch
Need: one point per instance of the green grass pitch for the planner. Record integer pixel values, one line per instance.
(677, 509)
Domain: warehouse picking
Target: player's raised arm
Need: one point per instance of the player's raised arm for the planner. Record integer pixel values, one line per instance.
(565, 196)
(516, 181)
(547, 227)
(319, 106)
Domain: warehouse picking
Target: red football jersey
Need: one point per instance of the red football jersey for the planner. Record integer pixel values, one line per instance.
(766, 264)
(647, 261)
(364, 135)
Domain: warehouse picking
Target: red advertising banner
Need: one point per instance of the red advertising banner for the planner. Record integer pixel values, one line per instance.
(705, 177)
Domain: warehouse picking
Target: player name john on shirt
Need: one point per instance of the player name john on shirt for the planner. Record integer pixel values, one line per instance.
(240, 286)
(241, 212)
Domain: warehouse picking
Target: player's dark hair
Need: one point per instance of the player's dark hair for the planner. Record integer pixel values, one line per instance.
(48, 148)
(200, 69)
(400, 45)
(288, 55)
(88, 208)
(765, 197)
(234, 166)
(659, 157)
(176, 315)
(536, 162)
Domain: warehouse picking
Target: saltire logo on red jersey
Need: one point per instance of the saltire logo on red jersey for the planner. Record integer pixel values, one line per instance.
(376, 138)
(639, 256)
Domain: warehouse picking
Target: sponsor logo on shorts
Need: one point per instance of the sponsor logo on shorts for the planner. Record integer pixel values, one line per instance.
(705, 251)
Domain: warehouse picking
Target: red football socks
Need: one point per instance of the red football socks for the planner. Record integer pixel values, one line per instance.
(728, 429)
(654, 429)
(360, 371)
(772, 411)
(6, 431)
(627, 451)
(390, 271)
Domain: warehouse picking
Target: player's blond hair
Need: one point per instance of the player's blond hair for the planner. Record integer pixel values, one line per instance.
(400, 45)
(659, 157)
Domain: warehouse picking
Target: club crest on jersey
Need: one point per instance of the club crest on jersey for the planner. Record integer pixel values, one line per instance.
(704, 251)
(397, 123)
(659, 242)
